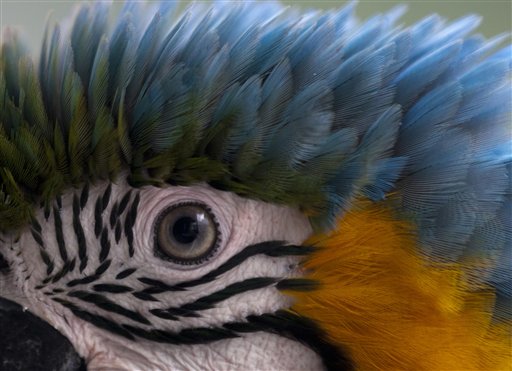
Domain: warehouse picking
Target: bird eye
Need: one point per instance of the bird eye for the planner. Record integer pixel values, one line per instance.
(186, 233)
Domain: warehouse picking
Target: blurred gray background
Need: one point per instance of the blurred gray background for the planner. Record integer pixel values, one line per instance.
(29, 16)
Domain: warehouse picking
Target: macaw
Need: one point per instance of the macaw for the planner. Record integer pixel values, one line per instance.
(248, 186)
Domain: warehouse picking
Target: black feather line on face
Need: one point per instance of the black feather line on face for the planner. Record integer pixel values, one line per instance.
(98, 220)
(108, 305)
(281, 323)
(4, 266)
(94, 277)
(130, 218)
(79, 234)
(84, 196)
(59, 235)
(111, 288)
(113, 215)
(96, 320)
(126, 273)
(68, 267)
(305, 331)
(269, 248)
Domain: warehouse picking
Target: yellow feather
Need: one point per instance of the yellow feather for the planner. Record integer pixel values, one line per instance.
(393, 310)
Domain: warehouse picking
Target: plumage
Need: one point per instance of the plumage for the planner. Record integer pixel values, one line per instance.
(394, 141)
(395, 311)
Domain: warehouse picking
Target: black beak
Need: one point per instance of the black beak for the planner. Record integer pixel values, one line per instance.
(29, 343)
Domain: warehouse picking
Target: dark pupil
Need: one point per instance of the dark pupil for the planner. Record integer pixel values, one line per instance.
(185, 230)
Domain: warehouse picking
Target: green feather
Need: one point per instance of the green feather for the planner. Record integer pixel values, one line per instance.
(15, 210)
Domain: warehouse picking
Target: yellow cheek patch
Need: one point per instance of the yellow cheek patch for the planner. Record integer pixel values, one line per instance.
(390, 309)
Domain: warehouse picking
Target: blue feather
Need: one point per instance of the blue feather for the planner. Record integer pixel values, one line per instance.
(417, 77)
(443, 35)
(427, 122)
(360, 91)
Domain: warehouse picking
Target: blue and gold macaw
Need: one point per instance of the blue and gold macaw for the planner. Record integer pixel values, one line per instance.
(244, 186)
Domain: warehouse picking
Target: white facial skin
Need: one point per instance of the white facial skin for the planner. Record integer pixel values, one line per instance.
(241, 222)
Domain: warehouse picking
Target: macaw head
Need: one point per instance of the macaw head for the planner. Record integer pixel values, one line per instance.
(162, 181)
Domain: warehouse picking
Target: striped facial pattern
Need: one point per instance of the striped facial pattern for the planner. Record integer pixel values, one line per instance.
(124, 261)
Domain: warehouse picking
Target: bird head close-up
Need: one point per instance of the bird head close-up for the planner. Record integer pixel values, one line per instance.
(253, 186)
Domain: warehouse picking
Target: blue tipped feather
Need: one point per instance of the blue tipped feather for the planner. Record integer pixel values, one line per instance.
(416, 78)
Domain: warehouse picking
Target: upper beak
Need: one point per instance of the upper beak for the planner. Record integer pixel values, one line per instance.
(29, 343)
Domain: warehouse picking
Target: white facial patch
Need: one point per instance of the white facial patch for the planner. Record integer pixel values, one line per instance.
(164, 278)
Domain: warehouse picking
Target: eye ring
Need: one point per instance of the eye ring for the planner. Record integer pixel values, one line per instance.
(186, 233)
